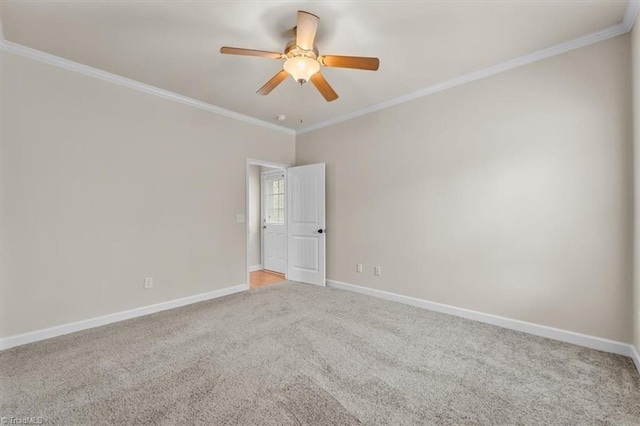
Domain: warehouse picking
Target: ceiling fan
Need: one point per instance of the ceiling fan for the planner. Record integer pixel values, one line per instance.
(302, 60)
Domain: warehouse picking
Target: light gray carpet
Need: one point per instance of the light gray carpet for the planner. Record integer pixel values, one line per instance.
(291, 354)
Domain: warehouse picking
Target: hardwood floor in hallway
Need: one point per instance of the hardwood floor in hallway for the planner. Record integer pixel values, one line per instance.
(264, 277)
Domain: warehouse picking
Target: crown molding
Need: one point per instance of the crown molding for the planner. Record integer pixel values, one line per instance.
(631, 15)
(623, 27)
(27, 52)
(626, 25)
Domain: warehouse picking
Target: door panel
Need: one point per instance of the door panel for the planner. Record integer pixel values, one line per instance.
(307, 253)
(305, 205)
(306, 224)
(275, 248)
(274, 235)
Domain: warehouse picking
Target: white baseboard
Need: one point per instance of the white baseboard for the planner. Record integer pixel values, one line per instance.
(47, 333)
(635, 356)
(254, 268)
(592, 342)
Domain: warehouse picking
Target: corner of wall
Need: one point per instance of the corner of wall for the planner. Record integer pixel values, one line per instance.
(635, 52)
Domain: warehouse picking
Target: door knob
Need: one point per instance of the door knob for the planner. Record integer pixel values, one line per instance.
(321, 231)
(264, 227)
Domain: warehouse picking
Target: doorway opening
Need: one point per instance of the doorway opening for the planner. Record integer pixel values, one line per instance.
(266, 223)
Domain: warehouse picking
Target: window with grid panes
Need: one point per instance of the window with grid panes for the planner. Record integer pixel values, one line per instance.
(274, 198)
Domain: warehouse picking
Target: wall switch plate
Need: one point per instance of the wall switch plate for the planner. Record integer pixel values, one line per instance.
(358, 267)
(377, 271)
(148, 283)
(240, 218)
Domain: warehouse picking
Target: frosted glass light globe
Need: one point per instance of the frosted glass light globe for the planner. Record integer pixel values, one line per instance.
(301, 68)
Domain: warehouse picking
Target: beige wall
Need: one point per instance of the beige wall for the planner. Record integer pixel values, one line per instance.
(255, 236)
(103, 186)
(495, 196)
(635, 35)
(511, 195)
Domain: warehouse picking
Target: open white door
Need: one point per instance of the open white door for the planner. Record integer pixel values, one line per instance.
(306, 224)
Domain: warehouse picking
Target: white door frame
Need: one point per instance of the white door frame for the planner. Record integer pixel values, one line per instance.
(255, 162)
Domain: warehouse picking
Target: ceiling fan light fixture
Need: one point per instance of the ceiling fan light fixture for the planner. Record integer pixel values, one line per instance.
(301, 68)
(302, 60)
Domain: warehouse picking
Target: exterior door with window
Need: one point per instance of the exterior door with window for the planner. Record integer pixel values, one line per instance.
(274, 236)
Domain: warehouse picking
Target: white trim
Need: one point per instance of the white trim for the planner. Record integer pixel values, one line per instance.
(47, 58)
(579, 339)
(635, 356)
(631, 15)
(254, 268)
(626, 25)
(59, 330)
(264, 163)
(623, 27)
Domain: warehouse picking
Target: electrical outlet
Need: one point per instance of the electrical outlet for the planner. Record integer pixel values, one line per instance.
(377, 271)
(148, 283)
(358, 267)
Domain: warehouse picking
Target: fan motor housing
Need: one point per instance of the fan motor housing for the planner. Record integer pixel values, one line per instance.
(292, 50)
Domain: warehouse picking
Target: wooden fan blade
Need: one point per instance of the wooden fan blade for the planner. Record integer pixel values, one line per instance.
(323, 87)
(273, 83)
(355, 62)
(250, 52)
(306, 30)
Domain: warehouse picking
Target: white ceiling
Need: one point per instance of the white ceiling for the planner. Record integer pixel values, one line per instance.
(174, 45)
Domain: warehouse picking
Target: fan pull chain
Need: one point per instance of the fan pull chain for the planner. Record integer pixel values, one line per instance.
(301, 102)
